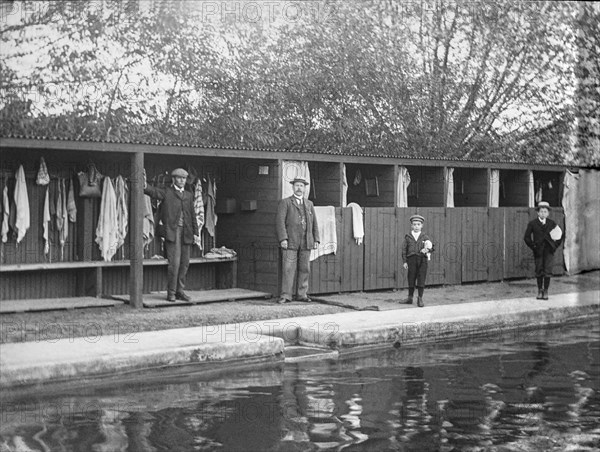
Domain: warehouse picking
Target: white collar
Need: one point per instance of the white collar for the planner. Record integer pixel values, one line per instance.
(180, 190)
(542, 220)
(298, 198)
(415, 234)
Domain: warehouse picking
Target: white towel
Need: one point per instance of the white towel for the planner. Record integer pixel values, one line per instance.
(106, 232)
(358, 229)
(122, 210)
(148, 223)
(325, 216)
(5, 214)
(22, 205)
(46, 221)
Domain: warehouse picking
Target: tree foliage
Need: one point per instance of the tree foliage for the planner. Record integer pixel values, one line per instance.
(514, 80)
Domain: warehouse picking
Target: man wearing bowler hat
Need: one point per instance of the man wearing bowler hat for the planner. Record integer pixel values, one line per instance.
(543, 236)
(297, 233)
(178, 217)
(416, 252)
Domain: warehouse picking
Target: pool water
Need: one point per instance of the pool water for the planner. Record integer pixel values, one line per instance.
(519, 391)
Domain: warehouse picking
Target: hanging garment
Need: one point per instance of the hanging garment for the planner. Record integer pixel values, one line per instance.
(358, 229)
(357, 177)
(121, 192)
(325, 216)
(62, 217)
(5, 213)
(344, 186)
(449, 180)
(211, 200)
(530, 189)
(539, 194)
(46, 218)
(494, 188)
(148, 223)
(199, 210)
(43, 178)
(107, 229)
(71, 206)
(22, 221)
(403, 183)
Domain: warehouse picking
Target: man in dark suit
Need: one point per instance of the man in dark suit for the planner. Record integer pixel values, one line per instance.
(297, 233)
(543, 237)
(178, 217)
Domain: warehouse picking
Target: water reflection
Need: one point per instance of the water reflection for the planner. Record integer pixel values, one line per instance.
(537, 394)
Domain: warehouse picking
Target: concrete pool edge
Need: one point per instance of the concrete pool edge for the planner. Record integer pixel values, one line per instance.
(32, 363)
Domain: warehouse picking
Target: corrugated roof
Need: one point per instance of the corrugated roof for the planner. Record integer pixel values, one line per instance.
(276, 150)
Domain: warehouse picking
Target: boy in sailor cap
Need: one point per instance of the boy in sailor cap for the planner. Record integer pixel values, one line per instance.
(543, 236)
(416, 250)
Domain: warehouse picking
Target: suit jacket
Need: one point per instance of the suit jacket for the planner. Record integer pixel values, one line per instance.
(289, 226)
(411, 247)
(171, 207)
(537, 236)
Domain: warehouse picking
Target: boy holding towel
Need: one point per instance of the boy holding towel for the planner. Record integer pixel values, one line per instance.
(416, 251)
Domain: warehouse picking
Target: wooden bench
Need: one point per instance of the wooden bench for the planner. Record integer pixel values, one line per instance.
(226, 278)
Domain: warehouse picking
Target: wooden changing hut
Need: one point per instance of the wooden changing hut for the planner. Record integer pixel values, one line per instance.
(477, 240)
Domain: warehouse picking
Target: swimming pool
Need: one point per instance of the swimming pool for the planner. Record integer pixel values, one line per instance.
(521, 391)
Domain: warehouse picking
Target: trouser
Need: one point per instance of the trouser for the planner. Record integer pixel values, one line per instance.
(178, 255)
(417, 273)
(295, 263)
(544, 262)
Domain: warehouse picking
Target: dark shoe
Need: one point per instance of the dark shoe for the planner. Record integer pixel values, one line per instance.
(544, 294)
(409, 300)
(182, 296)
(540, 295)
(305, 299)
(171, 298)
(420, 302)
(283, 300)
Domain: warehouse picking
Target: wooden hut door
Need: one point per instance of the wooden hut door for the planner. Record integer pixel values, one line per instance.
(381, 248)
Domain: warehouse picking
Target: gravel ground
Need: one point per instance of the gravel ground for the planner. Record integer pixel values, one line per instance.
(124, 322)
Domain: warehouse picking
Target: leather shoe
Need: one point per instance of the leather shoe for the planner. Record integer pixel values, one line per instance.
(283, 300)
(182, 296)
(540, 295)
(171, 298)
(409, 300)
(544, 294)
(420, 302)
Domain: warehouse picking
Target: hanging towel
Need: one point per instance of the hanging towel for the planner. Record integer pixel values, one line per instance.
(62, 216)
(107, 229)
(403, 183)
(344, 186)
(5, 214)
(325, 216)
(46, 222)
(538, 194)
(199, 210)
(211, 199)
(148, 223)
(71, 206)
(121, 192)
(43, 178)
(357, 177)
(290, 170)
(494, 188)
(530, 189)
(22, 221)
(358, 229)
(449, 180)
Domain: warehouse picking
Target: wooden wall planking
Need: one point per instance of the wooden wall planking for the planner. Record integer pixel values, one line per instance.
(518, 261)
(514, 188)
(470, 187)
(352, 255)
(494, 251)
(325, 271)
(381, 248)
(435, 227)
(474, 243)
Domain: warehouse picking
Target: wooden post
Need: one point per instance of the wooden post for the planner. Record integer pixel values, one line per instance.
(136, 218)
(396, 177)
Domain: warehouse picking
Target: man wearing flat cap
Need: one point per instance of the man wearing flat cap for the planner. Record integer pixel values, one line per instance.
(543, 236)
(416, 250)
(178, 217)
(297, 233)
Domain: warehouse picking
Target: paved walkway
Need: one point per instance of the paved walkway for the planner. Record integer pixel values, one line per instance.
(112, 355)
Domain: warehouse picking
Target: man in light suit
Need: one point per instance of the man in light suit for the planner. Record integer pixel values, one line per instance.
(297, 233)
(538, 237)
(179, 220)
